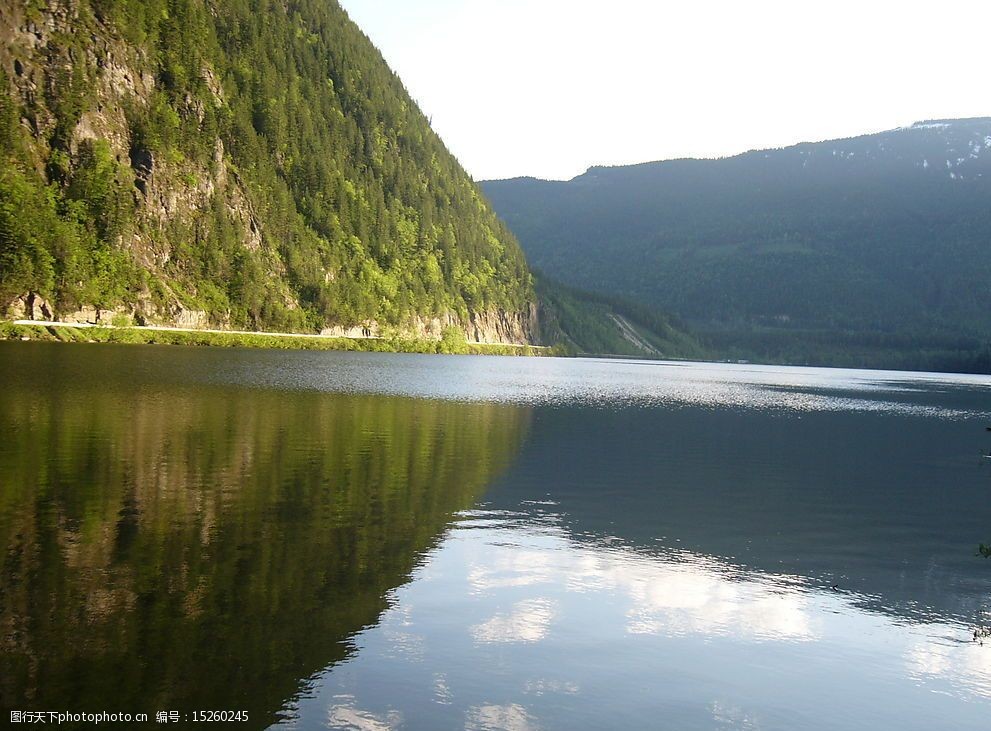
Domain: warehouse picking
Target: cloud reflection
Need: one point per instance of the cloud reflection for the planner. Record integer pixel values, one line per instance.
(546, 630)
(345, 715)
(686, 594)
(511, 717)
(968, 663)
(675, 603)
(528, 621)
(692, 595)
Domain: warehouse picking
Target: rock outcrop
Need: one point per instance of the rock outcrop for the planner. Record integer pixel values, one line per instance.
(491, 326)
(191, 181)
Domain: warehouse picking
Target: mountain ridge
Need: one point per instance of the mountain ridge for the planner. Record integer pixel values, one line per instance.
(922, 124)
(885, 235)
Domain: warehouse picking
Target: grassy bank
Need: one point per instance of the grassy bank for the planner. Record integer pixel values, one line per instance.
(69, 334)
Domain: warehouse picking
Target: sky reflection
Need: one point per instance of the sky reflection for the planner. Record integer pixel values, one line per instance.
(512, 617)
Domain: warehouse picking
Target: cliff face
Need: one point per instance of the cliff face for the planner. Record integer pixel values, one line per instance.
(493, 326)
(235, 164)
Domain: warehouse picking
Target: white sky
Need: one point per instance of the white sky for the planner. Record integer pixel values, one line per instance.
(549, 87)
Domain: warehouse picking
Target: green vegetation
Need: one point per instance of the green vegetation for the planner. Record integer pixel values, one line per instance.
(451, 344)
(871, 251)
(54, 239)
(452, 341)
(594, 324)
(256, 160)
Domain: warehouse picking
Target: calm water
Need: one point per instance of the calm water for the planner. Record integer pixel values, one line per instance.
(373, 541)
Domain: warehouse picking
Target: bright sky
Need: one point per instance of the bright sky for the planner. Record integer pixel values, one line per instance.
(550, 87)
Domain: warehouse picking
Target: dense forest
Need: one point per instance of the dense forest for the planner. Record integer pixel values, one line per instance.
(870, 251)
(253, 161)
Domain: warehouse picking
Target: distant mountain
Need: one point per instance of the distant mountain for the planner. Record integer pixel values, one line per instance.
(873, 250)
(235, 163)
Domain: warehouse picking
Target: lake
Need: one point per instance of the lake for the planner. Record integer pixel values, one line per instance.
(383, 541)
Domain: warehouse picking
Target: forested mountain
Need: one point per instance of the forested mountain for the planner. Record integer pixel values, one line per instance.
(586, 323)
(874, 250)
(243, 163)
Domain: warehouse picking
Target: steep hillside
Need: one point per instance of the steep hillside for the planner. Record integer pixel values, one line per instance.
(235, 163)
(866, 251)
(594, 324)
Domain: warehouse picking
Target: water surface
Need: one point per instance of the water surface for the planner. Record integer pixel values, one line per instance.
(372, 541)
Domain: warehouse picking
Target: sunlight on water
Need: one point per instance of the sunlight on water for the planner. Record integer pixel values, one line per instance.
(536, 381)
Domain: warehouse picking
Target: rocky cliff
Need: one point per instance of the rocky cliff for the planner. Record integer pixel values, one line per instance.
(235, 164)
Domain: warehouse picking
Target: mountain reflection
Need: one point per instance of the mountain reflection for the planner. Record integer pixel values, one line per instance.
(204, 548)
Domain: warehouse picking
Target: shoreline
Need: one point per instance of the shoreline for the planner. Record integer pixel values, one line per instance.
(71, 332)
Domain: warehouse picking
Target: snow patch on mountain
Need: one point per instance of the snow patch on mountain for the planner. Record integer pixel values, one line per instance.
(928, 125)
